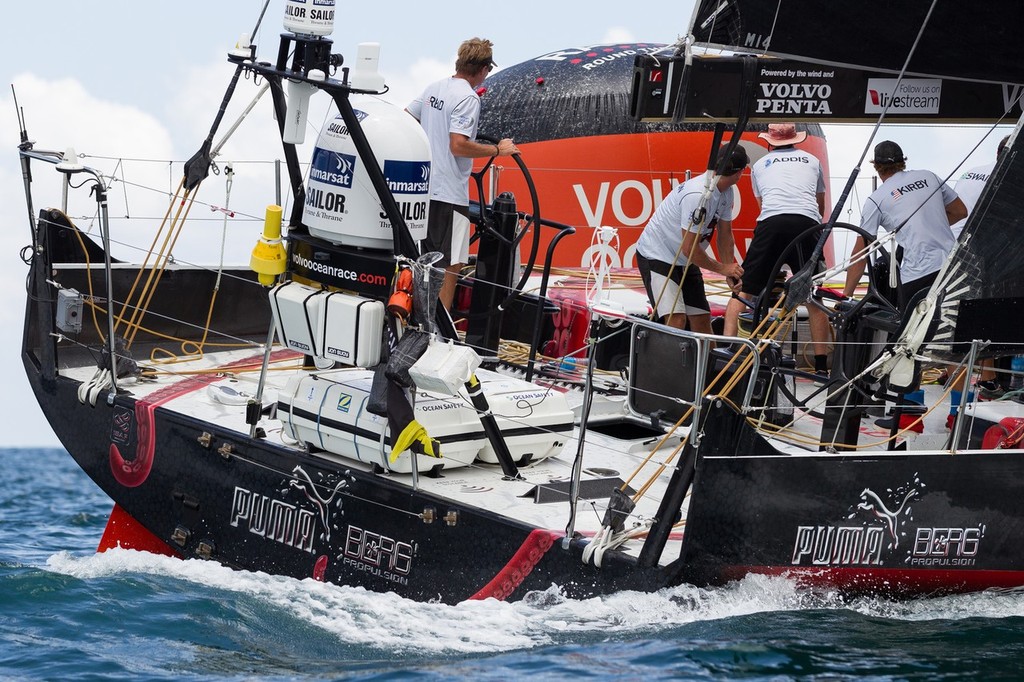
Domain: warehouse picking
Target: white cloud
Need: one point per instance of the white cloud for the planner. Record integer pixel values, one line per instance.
(619, 34)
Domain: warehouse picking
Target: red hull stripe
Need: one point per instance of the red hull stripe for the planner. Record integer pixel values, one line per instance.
(133, 473)
(522, 563)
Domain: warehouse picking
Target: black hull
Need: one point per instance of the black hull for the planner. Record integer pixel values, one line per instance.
(897, 524)
(262, 507)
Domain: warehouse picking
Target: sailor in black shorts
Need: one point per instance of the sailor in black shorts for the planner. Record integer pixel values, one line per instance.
(790, 186)
(771, 237)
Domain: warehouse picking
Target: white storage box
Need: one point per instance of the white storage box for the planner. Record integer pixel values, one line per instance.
(328, 410)
(445, 367)
(536, 421)
(297, 310)
(351, 329)
(331, 325)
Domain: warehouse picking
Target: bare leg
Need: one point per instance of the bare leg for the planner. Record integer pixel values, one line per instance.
(676, 320)
(700, 323)
(817, 319)
(732, 315)
(447, 294)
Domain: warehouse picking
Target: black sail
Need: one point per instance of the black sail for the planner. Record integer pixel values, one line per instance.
(973, 41)
(983, 292)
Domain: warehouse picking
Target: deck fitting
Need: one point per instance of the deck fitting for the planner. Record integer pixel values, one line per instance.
(180, 536)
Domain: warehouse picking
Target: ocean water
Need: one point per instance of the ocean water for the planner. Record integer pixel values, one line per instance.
(67, 613)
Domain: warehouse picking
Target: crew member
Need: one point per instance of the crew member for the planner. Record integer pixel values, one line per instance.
(671, 250)
(919, 208)
(449, 111)
(790, 186)
(968, 187)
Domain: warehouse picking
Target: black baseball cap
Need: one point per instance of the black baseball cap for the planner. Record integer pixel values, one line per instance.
(736, 162)
(888, 151)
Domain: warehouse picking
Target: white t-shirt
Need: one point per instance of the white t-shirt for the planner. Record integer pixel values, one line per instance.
(787, 181)
(968, 187)
(926, 238)
(663, 236)
(448, 106)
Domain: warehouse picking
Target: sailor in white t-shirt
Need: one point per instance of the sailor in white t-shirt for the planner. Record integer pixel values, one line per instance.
(671, 250)
(449, 111)
(968, 187)
(919, 207)
(790, 185)
(970, 184)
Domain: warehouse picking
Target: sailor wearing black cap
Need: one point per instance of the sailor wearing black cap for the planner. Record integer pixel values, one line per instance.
(671, 250)
(919, 208)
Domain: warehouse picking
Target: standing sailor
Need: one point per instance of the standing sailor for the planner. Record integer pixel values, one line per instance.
(449, 111)
(919, 208)
(969, 185)
(790, 186)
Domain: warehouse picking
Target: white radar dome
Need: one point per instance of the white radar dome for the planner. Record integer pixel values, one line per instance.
(341, 204)
(309, 17)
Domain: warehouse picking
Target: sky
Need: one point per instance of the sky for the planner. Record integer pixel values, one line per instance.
(131, 80)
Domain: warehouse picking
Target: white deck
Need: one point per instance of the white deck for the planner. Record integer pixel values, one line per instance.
(478, 485)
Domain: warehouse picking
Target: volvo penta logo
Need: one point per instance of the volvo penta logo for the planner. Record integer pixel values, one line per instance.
(795, 98)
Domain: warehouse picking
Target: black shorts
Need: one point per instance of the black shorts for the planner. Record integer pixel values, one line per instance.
(440, 220)
(678, 295)
(772, 236)
(910, 292)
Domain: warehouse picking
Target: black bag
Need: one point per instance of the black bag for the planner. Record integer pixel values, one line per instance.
(378, 401)
(408, 350)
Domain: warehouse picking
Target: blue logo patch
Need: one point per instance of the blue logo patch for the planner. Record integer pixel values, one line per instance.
(407, 177)
(332, 168)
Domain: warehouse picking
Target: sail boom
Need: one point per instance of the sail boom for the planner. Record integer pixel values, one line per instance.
(979, 43)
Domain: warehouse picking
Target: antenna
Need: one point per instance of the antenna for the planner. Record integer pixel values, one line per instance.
(20, 113)
(310, 22)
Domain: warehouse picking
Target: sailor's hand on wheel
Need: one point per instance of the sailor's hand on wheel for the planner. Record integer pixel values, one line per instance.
(506, 147)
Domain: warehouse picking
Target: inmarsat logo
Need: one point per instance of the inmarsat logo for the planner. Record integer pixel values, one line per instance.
(407, 177)
(878, 525)
(332, 168)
